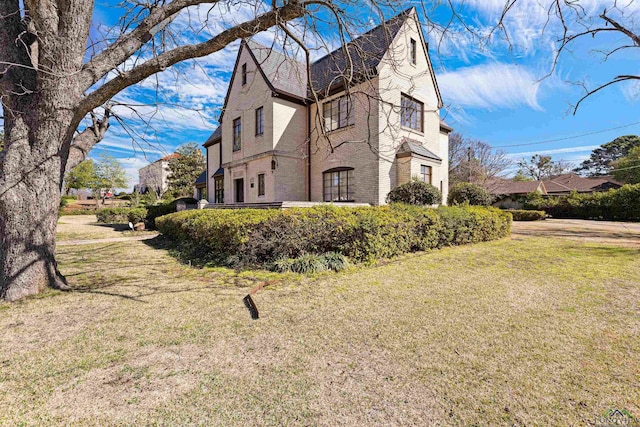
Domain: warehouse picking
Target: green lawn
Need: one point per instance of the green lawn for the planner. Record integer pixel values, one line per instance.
(523, 331)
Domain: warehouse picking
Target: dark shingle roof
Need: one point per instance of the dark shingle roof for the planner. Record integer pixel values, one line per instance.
(410, 146)
(364, 55)
(202, 178)
(501, 186)
(285, 74)
(215, 137)
(570, 181)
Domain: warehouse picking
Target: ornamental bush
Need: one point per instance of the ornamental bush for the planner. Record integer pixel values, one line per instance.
(469, 193)
(121, 215)
(527, 215)
(260, 237)
(415, 192)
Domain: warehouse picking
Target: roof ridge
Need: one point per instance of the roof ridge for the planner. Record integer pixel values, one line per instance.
(404, 13)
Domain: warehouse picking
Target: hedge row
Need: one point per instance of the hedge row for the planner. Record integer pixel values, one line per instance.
(364, 234)
(527, 215)
(621, 204)
(121, 215)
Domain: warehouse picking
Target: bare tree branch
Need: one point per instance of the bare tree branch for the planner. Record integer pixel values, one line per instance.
(289, 11)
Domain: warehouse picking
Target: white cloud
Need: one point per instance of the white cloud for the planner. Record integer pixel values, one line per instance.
(490, 86)
(578, 149)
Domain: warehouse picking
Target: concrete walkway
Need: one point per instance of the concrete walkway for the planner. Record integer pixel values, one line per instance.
(107, 240)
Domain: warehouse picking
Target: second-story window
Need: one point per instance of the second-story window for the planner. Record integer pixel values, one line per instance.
(338, 113)
(259, 121)
(413, 52)
(237, 134)
(411, 111)
(244, 74)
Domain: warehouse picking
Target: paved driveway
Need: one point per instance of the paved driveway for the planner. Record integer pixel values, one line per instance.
(615, 233)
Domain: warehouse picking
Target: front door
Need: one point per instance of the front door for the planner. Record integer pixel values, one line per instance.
(239, 190)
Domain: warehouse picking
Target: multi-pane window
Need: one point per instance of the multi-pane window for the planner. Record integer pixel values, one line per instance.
(218, 187)
(261, 184)
(338, 185)
(259, 121)
(338, 113)
(411, 111)
(244, 74)
(414, 51)
(425, 173)
(237, 134)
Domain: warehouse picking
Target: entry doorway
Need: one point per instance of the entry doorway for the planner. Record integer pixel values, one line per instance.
(239, 190)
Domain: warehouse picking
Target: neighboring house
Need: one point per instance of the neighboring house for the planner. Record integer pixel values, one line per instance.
(281, 140)
(154, 176)
(568, 182)
(509, 194)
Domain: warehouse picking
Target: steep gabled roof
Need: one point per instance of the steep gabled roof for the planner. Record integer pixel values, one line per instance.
(216, 136)
(285, 75)
(358, 58)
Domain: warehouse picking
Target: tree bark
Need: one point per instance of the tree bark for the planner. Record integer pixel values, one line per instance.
(29, 210)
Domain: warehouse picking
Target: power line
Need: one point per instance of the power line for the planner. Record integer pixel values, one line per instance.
(567, 137)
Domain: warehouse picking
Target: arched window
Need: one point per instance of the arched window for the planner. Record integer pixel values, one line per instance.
(338, 185)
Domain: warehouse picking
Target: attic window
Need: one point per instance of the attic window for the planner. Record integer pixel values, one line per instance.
(414, 54)
(244, 74)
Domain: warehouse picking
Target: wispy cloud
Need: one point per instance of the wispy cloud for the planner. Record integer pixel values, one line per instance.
(490, 86)
(578, 149)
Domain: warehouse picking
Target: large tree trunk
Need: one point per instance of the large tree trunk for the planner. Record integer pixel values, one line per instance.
(29, 202)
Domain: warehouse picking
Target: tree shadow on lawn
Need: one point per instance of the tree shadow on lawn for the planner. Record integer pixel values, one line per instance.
(137, 279)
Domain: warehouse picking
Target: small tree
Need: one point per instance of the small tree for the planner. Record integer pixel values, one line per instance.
(627, 169)
(82, 176)
(185, 169)
(600, 162)
(541, 167)
(110, 174)
(415, 192)
(469, 193)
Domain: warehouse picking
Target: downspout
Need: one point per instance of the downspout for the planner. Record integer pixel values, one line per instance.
(309, 153)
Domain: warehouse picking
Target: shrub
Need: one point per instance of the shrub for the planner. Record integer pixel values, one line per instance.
(155, 211)
(622, 204)
(415, 192)
(121, 215)
(364, 234)
(469, 193)
(526, 215)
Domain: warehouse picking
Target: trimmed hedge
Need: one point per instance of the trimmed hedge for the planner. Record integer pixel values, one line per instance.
(121, 215)
(527, 215)
(622, 204)
(155, 211)
(364, 234)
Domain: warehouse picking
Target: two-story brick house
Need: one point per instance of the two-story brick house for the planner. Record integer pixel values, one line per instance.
(364, 121)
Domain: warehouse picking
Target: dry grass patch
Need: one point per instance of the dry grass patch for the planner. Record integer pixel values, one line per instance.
(515, 332)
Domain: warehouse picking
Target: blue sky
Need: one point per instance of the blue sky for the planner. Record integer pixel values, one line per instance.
(496, 92)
